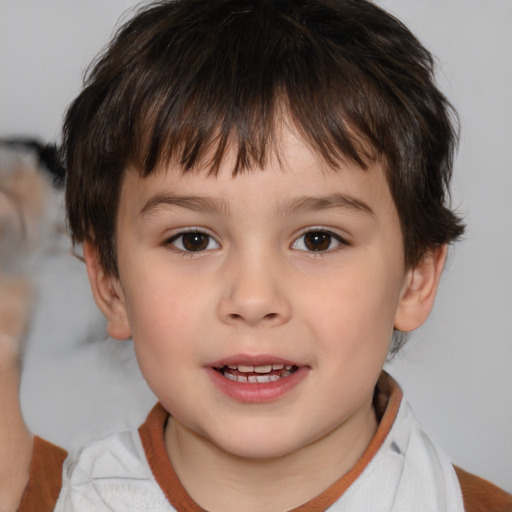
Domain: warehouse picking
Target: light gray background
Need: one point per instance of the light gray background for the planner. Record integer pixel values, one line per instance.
(456, 370)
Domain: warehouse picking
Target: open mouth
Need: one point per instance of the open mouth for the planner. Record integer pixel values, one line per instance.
(256, 379)
(256, 374)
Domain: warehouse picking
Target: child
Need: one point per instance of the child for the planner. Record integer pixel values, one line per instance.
(260, 189)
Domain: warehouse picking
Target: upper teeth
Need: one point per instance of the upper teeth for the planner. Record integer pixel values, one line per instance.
(259, 369)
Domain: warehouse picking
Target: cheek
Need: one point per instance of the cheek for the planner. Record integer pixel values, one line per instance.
(355, 309)
(160, 304)
(167, 322)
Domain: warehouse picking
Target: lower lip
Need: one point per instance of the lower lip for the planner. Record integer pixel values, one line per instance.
(257, 392)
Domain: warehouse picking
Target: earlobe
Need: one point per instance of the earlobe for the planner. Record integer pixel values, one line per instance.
(420, 289)
(107, 293)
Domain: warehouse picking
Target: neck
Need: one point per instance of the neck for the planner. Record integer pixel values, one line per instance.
(220, 481)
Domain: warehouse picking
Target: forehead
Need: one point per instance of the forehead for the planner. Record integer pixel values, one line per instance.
(289, 154)
(294, 180)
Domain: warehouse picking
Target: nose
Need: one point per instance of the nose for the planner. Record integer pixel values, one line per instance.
(254, 293)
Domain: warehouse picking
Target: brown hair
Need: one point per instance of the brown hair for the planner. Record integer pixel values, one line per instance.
(185, 79)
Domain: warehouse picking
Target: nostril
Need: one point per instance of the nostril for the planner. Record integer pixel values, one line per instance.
(236, 317)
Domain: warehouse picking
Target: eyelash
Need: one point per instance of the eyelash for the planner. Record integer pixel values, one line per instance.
(341, 242)
(329, 237)
(183, 250)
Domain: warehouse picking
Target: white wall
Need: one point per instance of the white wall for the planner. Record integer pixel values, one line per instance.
(457, 370)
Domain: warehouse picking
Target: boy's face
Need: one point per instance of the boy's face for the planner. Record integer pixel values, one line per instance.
(298, 270)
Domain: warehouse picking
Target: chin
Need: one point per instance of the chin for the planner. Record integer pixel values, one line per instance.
(260, 445)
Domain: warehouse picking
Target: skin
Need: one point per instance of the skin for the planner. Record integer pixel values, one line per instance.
(256, 288)
(16, 439)
(15, 302)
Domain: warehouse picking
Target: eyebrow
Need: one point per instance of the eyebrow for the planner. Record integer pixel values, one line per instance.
(195, 203)
(303, 204)
(307, 204)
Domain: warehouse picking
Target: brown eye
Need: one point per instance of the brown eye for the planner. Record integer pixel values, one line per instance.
(193, 241)
(317, 241)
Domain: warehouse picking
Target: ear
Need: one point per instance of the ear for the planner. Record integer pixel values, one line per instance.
(108, 294)
(420, 289)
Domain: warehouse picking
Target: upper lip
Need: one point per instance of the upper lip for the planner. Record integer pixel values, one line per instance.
(252, 360)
